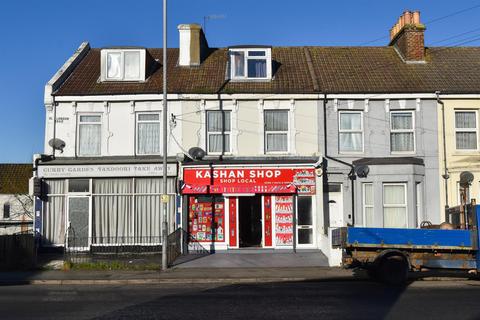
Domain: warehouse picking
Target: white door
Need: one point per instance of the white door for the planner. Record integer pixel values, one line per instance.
(335, 204)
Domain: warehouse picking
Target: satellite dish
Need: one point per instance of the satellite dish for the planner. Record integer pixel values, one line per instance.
(466, 178)
(362, 170)
(57, 144)
(197, 153)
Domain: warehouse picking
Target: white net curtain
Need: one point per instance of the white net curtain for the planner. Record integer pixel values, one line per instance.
(394, 206)
(466, 130)
(350, 133)
(402, 136)
(276, 130)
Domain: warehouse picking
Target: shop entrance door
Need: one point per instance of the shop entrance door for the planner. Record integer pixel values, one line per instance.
(250, 221)
(78, 222)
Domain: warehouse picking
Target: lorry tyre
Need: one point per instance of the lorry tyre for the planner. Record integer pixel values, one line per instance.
(393, 269)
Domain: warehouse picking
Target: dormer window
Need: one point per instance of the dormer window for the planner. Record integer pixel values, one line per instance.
(251, 63)
(123, 65)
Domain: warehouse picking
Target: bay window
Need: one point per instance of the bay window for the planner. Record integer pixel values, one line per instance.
(395, 205)
(368, 204)
(466, 130)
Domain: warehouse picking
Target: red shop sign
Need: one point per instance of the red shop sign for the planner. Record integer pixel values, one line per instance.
(248, 180)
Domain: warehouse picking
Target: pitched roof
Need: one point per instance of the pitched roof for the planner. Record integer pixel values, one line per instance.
(337, 70)
(14, 177)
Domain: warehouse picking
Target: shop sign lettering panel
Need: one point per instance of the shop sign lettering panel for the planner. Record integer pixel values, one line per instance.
(249, 180)
(105, 170)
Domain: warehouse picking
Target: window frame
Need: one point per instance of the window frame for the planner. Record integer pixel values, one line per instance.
(364, 205)
(403, 131)
(265, 132)
(458, 130)
(268, 61)
(405, 194)
(79, 123)
(7, 210)
(104, 63)
(137, 136)
(209, 133)
(340, 131)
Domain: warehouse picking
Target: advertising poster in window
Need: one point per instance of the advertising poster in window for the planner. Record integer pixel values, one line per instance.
(284, 220)
(204, 215)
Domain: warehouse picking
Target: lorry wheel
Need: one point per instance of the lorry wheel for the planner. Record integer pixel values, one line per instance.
(393, 270)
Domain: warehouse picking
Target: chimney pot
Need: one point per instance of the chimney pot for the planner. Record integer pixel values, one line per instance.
(407, 35)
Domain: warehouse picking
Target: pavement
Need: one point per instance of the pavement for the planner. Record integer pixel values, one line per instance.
(175, 275)
(219, 268)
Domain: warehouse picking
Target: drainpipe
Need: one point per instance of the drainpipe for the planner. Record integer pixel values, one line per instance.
(445, 175)
(351, 174)
(54, 104)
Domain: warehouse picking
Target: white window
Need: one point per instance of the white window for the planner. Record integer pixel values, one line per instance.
(276, 131)
(218, 135)
(350, 133)
(368, 204)
(123, 65)
(402, 131)
(395, 205)
(251, 63)
(419, 195)
(89, 135)
(466, 130)
(148, 133)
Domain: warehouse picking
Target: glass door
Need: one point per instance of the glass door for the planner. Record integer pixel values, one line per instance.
(78, 222)
(305, 221)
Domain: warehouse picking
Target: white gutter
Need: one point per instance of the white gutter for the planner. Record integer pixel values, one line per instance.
(186, 97)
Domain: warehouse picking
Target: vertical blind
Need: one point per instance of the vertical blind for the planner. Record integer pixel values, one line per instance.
(276, 130)
(466, 130)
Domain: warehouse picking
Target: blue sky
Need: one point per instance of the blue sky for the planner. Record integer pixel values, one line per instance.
(38, 36)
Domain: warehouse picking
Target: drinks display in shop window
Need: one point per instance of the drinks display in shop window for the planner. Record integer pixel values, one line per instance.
(207, 214)
(284, 220)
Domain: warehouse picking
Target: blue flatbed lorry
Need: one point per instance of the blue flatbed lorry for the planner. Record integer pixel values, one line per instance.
(390, 253)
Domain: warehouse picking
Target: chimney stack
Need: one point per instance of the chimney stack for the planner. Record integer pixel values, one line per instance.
(193, 45)
(407, 36)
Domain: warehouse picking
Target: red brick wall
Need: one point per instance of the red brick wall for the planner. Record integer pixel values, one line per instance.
(410, 43)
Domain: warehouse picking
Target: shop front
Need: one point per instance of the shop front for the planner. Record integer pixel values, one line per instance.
(94, 203)
(231, 207)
